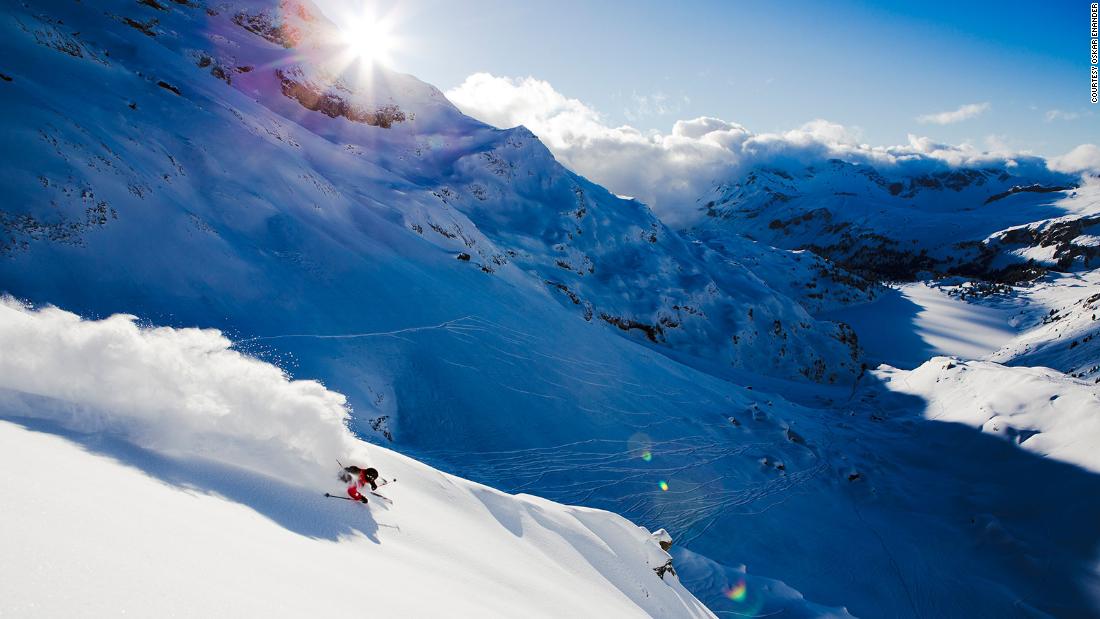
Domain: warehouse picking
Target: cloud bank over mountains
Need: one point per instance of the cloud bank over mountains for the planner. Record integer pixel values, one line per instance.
(669, 171)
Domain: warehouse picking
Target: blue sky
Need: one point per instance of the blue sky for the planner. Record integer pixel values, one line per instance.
(774, 66)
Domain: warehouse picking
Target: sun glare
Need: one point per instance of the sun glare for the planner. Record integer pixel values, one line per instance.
(368, 39)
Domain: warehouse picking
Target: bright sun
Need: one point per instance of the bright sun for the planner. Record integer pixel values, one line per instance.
(369, 39)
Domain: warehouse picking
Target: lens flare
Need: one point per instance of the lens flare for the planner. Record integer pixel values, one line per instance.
(663, 485)
(742, 600)
(738, 592)
(368, 38)
(639, 445)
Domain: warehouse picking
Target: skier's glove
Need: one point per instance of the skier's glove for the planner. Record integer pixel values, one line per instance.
(363, 499)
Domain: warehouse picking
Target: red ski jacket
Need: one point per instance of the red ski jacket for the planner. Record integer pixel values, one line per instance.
(363, 480)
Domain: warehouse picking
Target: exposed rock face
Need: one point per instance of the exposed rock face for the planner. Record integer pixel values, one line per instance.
(283, 28)
(333, 101)
(660, 560)
(664, 540)
(1033, 188)
(1072, 242)
(665, 568)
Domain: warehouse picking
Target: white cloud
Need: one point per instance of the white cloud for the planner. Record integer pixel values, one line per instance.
(670, 171)
(964, 112)
(1053, 115)
(1084, 158)
(183, 392)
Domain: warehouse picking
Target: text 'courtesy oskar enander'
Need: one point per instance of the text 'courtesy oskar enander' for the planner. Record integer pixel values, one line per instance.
(1093, 31)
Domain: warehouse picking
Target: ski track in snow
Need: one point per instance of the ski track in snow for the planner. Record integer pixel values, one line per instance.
(615, 477)
(457, 325)
(599, 471)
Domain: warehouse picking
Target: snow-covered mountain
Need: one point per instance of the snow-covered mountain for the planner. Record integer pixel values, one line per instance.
(202, 100)
(495, 316)
(897, 222)
(1014, 235)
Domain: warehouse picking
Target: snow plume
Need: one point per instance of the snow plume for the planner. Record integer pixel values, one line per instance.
(670, 171)
(182, 392)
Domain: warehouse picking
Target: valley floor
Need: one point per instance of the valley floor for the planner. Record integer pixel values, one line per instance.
(908, 325)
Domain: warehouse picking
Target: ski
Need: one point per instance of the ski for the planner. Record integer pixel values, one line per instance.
(347, 498)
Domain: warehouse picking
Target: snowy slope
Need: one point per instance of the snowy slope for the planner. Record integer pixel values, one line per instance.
(180, 547)
(1060, 325)
(197, 475)
(1007, 253)
(816, 283)
(1039, 408)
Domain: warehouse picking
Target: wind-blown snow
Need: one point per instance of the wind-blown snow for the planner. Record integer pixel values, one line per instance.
(179, 391)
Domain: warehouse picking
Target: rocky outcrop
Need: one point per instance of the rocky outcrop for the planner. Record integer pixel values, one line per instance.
(334, 101)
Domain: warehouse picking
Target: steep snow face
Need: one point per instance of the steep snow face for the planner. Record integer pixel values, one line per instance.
(1042, 410)
(888, 223)
(243, 133)
(200, 540)
(167, 169)
(217, 461)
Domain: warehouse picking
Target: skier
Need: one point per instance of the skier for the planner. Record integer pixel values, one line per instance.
(359, 477)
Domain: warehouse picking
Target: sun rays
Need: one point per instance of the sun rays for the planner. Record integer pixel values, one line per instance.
(368, 38)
